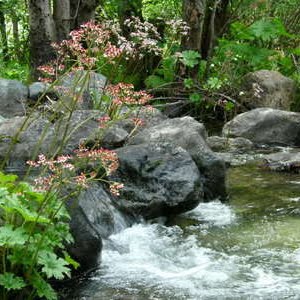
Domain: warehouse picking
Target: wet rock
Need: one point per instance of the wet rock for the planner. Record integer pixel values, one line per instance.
(266, 126)
(282, 162)
(190, 135)
(266, 88)
(218, 143)
(13, 97)
(234, 159)
(93, 218)
(159, 180)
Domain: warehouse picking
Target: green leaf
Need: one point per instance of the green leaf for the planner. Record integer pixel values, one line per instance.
(52, 265)
(188, 83)
(31, 216)
(168, 68)
(154, 81)
(241, 32)
(7, 178)
(229, 106)
(4, 194)
(268, 29)
(10, 237)
(11, 282)
(71, 261)
(106, 98)
(43, 288)
(195, 98)
(296, 51)
(190, 58)
(214, 83)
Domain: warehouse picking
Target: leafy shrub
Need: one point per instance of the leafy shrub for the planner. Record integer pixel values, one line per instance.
(14, 70)
(103, 48)
(33, 233)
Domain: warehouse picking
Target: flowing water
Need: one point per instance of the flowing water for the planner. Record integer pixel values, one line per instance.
(248, 248)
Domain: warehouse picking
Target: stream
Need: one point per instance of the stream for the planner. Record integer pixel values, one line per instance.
(247, 248)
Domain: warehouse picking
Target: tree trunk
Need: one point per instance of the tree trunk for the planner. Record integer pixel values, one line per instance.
(62, 18)
(194, 15)
(15, 23)
(82, 11)
(41, 34)
(3, 34)
(214, 25)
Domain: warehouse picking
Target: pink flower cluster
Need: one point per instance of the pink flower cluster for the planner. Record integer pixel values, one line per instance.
(123, 93)
(178, 28)
(81, 51)
(108, 158)
(56, 168)
(93, 41)
(62, 170)
(103, 121)
(62, 162)
(143, 38)
(115, 188)
(111, 51)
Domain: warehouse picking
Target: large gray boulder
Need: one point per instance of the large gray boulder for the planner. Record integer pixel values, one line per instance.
(13, 97)
(190, 135)
(88, 84)
(159, 180)
(80, 126)
(266, 126)
(23, 138)
(116, 135)
(266, 88)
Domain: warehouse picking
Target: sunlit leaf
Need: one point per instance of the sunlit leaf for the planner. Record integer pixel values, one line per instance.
(190, 58)
(11, 282)
(11, 237)
(53, 266)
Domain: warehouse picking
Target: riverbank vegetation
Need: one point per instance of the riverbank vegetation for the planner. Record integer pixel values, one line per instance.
(189, 55)
(192, 53)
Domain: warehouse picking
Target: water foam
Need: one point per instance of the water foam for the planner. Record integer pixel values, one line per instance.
(214, 212)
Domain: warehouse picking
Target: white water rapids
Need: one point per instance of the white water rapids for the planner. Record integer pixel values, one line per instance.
(153, 261)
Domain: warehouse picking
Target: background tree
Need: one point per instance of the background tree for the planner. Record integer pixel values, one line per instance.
(3, 32)
(41, 34)
(51, 21)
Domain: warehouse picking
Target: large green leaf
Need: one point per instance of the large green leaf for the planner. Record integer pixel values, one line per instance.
(52, 265)
(11, 282)
(10, 237)
(154, 81)
(43, 288)
(190, 58)
(268, 29)
(31, 216)
(241, 32)
(7, 178)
